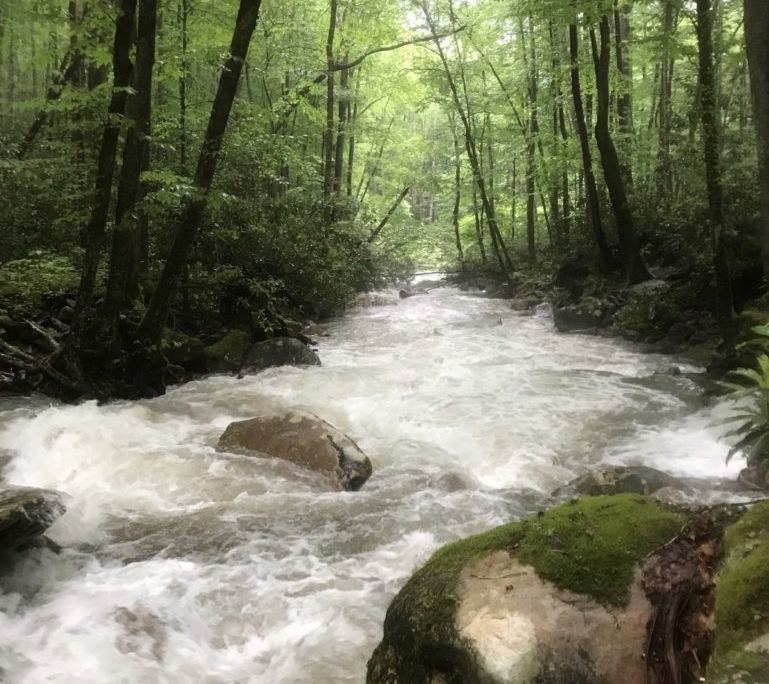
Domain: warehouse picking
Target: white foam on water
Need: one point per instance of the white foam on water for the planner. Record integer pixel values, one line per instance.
(184, 565)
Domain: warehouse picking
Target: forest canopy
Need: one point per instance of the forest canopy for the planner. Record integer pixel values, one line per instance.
(166, 158)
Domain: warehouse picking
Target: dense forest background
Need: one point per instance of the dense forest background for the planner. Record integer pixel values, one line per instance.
(200, 163)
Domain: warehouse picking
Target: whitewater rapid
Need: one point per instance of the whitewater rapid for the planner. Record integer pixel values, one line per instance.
(182, 565)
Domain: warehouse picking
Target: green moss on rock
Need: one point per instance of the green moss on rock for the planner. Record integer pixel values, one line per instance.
(742, 599)
(228, 353)
(590, 546)
(180, 349)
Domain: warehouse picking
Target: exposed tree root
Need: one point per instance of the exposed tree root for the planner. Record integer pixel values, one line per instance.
(679, 580)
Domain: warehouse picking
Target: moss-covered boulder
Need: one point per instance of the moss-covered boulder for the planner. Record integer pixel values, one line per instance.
(279, 351)
(182, 350)
(742, 603)
(227, 355)
(555, 599)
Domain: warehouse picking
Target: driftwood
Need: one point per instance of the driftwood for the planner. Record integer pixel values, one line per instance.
(26, 366)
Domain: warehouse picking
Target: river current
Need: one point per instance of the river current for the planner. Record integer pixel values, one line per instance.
(182, 565)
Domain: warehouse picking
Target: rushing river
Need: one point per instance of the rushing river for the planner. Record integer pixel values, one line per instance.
(186, 566)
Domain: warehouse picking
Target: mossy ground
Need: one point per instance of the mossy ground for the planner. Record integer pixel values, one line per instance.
(590, 546)
(742, 596)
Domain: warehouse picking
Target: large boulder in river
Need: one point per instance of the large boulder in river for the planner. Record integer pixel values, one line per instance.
(26, 513)
(555, 599)
(279, 351)
(304, 439)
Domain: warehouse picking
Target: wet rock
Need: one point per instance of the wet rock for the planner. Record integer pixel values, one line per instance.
(571, 277)
(589, 314)
(183, 350)
(620, 480)
(26, 513)
(555, 599)
(227, 354)
(304, 439)
(374, 299)
(279, 351)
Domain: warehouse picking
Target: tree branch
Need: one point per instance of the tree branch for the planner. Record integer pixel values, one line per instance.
(389, 48)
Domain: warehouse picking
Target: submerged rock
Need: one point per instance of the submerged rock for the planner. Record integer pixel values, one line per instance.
(555, 599)
(25, 514)
(280, 351)
(304, 439)
(620, 480)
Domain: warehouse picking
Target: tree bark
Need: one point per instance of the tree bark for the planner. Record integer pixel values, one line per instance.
(123, 279)
(635, 269)
(711, 139)
(328, 135)
(457, 192)
(757, 48)
(666, 69)
(151, 326)
(95, 230)
(388, 215)
(591, 187)
(625, 95)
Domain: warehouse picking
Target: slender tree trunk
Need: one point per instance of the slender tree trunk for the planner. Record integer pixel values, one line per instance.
(666, 69)
(386, 218)
(625, 95)
(183, 18)
(328, 136)
(533, 135)
(351, 133)
(757, 48)
(712, 144)
(457, 192)
(125, 258)
(95, 230)
(341, 124)
(152, 323)
(497, 243)
(591, 187)
(635, 269)
(479, 226)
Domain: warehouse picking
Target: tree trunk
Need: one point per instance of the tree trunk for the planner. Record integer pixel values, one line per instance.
(625, 95)
(591, 187)
(500, 252)
(95, 230)
(123, 280)
(351, 133)
(635, 269)
(757, 48)
(386, 218)
(666, 68)
(711, 139)
(152, 323)
(328, 135)
(341, 125)
(183, 16)
(457, 193)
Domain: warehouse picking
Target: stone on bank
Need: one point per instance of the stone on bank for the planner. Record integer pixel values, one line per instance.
(555, 599)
